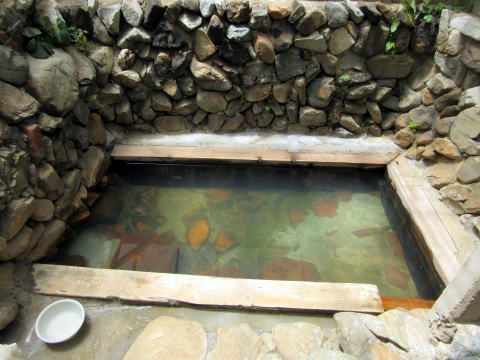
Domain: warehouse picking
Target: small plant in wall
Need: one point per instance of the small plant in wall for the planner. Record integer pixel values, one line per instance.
(390, 44)
(413, 126)
(267, 108)
(343, 79)
(52, 35)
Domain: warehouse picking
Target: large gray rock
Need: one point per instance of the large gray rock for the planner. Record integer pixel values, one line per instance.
(442, 172)
(16, 215)
(468, 25)
(314, 42)
(18, 245)
(100, 32)
(289, 64)
(168, 338)
(85, 69)
(462, 199)
(161, 102)
(209, 77)
(53, 81)
(349, 123)
(103, 60)
(299, 340)
(320, 92)
(15, 104)
(465, 130)
(313, 20)
(207, 8)
(203, 45)
(127, 78)
(14, 15)
(239, 33)
(423, 72)
(337, 14)
(353, 335)
(451, 66)
(13, 66)
(404, 138)
(311, 117)
(52, 235)
(340, 41)
(110, 16)
(440, 84)
(211, 101)
(132, 12)
(259, 18)
(92, 164)
(49, 181)
(390, 66)
(355, 13)
(424, 117)
(257, 93)
(171, 124)
(133, 37)
(470, 97)
(189, 21)
(469, 172)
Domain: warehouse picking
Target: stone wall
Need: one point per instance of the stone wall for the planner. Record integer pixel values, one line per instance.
(210, 66)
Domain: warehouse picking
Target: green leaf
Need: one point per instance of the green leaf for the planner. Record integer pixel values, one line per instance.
(390, 47)
(427, 18)
(31, 45)
(42, 51)
(394, 26)
(413, 124)
(31, 32)
(48, 25)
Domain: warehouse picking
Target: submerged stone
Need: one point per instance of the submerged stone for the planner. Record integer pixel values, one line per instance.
(396, 277)
(326, 209)
(296, 216)
(198, 234)
(223, 243)
(290, 269)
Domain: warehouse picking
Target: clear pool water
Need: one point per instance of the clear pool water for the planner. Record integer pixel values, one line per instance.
(277, 223)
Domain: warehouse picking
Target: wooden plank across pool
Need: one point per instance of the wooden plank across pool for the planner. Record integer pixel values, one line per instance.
(176, 289)
(249, 155)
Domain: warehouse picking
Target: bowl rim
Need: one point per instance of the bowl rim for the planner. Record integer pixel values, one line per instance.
(77, 304)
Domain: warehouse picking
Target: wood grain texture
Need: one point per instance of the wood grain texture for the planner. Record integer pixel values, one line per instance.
(442, 248)
(390, 303)
(248, 155)
(175, 289)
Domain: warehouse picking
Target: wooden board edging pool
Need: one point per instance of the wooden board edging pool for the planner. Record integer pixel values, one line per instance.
(438, 241)
(176, 289)
(249, 155)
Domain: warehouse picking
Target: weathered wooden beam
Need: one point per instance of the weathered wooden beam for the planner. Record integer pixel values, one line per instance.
(176, 289)
(441, 247)
(248, 155)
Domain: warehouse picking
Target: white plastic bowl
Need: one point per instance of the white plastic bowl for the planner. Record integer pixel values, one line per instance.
(60, 321)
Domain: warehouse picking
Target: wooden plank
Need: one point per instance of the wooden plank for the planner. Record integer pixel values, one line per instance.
(184, 153)
(175, 289)
(442, 248)
(390, 303)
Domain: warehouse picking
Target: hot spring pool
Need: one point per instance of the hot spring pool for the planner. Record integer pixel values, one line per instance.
(275, 223)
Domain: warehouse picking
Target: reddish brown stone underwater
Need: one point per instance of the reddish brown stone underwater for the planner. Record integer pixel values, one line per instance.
(396, 277)
(327, 209)
(290, 269)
